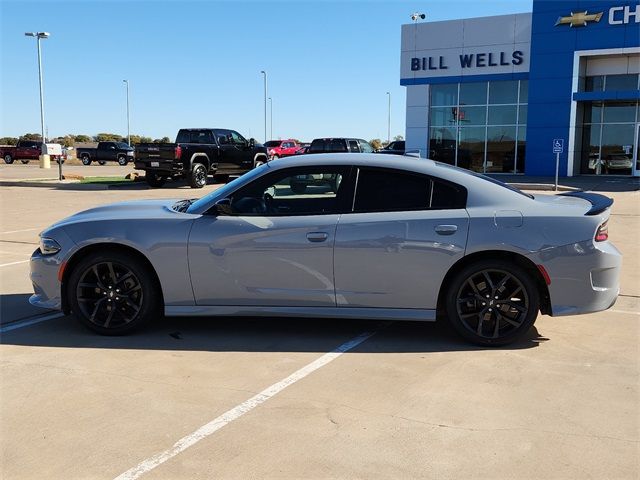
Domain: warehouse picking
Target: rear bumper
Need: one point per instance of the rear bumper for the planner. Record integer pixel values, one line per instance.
(585, 276)
(164, 167)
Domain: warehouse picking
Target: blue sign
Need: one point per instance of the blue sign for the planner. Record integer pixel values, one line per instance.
(558, 145)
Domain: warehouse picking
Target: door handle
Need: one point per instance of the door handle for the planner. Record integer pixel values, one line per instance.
(317, 236)
(446, 229)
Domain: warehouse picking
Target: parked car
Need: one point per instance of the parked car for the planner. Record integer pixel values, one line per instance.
(281, 148)
(198, 152)
(394, 148)
(106, 152)
(419, 241)
(337, 145)
(303, 148)
(26, 150)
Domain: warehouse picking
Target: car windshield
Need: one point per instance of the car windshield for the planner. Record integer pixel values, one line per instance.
(272, 143)
(122, 145)
(225, 190)
(484, 177)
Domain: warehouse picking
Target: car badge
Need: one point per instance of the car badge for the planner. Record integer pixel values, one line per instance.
(579, 19)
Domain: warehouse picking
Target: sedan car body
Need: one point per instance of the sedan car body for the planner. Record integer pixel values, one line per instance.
(408, 242)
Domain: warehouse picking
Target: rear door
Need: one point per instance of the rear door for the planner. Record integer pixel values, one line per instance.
(405, 232)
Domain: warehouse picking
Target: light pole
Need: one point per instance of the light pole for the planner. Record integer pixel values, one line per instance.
(44, 158)
(389, 120)
(265, 104)
(126, 82)
(271, 119)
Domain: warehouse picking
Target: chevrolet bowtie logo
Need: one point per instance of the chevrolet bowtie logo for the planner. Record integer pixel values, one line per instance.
(579, 19)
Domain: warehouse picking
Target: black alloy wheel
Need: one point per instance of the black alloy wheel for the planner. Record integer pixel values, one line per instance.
(122, 161)
(112, 293)
(198, 178)
(86, 160)
(492, 303)
(8, 159)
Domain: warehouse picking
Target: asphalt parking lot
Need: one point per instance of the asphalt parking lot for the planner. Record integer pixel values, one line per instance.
(273, 398)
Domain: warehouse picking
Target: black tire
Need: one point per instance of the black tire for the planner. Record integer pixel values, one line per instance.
(104, 280)
(8, 159)
(102, 162)
(155, 180)
(122, 161)
(86, 160)
(24, 161)
(492, 302)
(198, 176)
(298, 188)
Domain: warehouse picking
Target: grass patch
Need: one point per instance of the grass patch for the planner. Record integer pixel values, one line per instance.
(106, 180)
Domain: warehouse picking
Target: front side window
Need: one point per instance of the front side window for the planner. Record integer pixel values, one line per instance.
(295, 191)
(237, 139)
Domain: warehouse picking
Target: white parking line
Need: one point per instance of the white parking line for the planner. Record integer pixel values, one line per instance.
(13, 263)
(236, 412)
(18, 231)
(30, 321)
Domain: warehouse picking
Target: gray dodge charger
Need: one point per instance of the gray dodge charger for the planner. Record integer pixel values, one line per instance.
(337, 236)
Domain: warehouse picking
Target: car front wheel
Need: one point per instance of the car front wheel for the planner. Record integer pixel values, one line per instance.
(86, 160)
(122, 161)
(112, 293)
(8, 159)
(492, 302)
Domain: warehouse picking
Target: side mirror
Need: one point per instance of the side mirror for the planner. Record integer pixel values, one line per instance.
(223, 207)
(252, 142)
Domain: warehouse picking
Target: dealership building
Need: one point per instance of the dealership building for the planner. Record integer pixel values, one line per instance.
(513, 93)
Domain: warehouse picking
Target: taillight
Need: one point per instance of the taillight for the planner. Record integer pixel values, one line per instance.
(602, 234)
(178, 153)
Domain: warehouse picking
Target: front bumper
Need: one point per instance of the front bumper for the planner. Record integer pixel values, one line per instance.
(585, 276)
(44, 278)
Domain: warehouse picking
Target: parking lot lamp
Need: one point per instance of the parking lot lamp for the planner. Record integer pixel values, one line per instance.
(126, 82)
(44, 158)
(271, 117)
(265, 104)
(389, 120)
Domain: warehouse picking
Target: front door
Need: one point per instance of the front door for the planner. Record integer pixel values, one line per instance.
(405, 233)
(274, 247)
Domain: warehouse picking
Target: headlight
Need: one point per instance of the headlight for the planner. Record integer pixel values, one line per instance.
(49, 246)
(130, 154)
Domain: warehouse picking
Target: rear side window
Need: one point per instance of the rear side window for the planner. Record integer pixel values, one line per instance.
(385, 190)
(317, 146)
(201, 136)
(353, 146)
(337, 145)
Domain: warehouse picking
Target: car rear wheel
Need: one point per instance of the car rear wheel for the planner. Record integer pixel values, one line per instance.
(155, 180)
(259, 161)
(112, 293)
(85, 159)
(198, 177)
(24, 161)
(122, 161)
(8, 159)
(492, 302)
(102, 162)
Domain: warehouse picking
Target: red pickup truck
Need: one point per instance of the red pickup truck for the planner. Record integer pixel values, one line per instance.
(281, 148)
(24, 151)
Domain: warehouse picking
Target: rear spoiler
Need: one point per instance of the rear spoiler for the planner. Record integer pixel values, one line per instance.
(599, 203)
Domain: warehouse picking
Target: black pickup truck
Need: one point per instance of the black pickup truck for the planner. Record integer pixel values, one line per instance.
(106, 151)
(197, 153)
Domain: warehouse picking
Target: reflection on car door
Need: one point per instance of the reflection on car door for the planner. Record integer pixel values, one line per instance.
(405, 233)
(281, 257)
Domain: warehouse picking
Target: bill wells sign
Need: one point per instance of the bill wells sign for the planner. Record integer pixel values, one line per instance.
(469, 60)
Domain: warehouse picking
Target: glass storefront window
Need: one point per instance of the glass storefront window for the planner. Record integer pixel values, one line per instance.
(485, 130)
(617, 148)
(591, 162)
(472, 115)
(443, 95)
(473, 93)
(503, 92)
(593, 112)
(471, 148)
(502, 115)
(594, 84)
(619, 112)
(621, 82)
(501, 149)
(442, 144)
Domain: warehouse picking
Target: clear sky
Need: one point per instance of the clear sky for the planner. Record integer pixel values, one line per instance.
(198, 63)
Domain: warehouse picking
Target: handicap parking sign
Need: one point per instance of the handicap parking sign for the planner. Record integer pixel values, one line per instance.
(558, 145)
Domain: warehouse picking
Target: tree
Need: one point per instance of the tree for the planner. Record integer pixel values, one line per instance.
(31, 136)
(376, 143)
(162, 140)
(8, 141)
(398, 138)
(81, 138)
(108, 137)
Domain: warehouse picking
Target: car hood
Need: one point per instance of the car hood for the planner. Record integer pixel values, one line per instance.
(141, 209)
